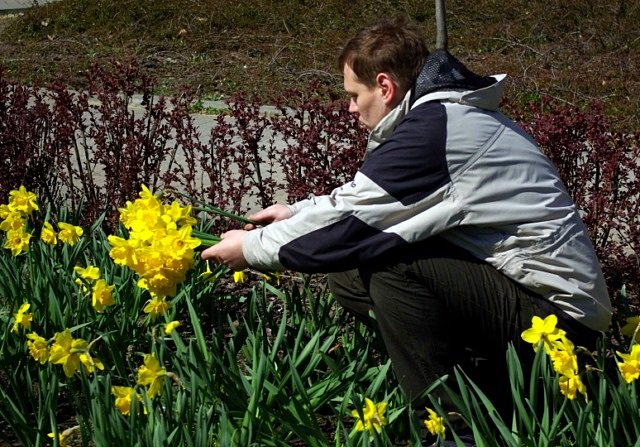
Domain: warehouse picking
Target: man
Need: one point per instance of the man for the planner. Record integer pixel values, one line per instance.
(455, 231)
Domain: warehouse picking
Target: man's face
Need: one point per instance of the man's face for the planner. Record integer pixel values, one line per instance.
(367, 102)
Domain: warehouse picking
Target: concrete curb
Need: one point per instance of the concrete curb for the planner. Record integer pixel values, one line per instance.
(15, 6)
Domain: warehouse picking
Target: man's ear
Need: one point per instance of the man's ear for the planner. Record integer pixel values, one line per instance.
(387, 87)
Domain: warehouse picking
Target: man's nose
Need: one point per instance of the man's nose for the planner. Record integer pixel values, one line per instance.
(353, 107)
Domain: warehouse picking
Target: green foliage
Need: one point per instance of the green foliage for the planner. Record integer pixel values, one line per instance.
(273, 364)
(287, 370)
(543, 416)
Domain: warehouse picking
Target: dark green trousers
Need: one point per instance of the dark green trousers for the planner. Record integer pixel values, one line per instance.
(436, 306)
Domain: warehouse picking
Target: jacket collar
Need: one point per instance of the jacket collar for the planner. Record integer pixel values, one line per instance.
(442, 78)
(386, 126)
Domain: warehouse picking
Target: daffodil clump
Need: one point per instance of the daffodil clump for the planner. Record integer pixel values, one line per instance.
(159, 248)
(14, 215)
(125, 396)
(435, 424)
(101, 292)
(151, 374)
(543, 332)
(630, 365)
(371, 417)
(73, 354)
(22, 318)
(14, 218)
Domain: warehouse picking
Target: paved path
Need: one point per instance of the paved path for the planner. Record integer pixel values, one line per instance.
(204, 124)
(9, 6)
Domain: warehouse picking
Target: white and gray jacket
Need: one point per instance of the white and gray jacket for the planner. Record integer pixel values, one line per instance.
(450, 164)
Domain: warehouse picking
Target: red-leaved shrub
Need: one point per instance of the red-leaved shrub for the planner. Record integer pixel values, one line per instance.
(92, 150)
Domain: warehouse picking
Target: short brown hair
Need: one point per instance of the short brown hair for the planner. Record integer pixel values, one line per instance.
(396, 47)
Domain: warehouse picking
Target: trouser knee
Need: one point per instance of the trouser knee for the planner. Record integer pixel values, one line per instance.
(350, 292)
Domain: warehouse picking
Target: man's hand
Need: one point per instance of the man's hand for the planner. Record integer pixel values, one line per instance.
(274, 213)
(228, 251)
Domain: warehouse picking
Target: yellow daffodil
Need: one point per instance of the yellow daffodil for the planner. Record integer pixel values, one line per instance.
(14, 221)
(544, 331)
(239, 277)
(69, 234)
(372, 416)
(5, 211)
(38, 347)
(571, 384)
(208, 275)
(148, 200)
(152, 374)
(123, 251)
(158, 282)
(81, 284)
(563, 356)
(17, 241)
(564, 362)
(171, 326)
(630, 365)
(143, 214)
(22, 318)
(158, 305)
(179, 214)
(124, 395)
(48, 235)
(273, 276)
(631, 328)
(89, 273)
(102, 295)
(147, 225)
(181, 243)
(435, 424)
(90, 363)
(23, 201)
(66, 351)
(62, 442)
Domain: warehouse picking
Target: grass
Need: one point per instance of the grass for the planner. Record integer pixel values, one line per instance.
(200, 108)
(577, 51)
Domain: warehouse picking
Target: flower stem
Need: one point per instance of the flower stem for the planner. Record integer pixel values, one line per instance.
(206, 239)
(213, 209)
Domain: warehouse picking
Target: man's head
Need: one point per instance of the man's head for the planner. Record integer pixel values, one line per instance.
(380, 64)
